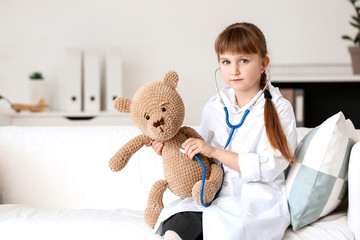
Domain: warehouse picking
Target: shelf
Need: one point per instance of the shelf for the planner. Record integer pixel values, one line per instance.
(68, 119)
(65, 114)
(315, 78)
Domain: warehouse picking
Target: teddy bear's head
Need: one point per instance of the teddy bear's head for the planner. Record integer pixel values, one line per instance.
(156, 108)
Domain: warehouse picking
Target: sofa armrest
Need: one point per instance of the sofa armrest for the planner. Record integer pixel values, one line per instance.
(354, 190)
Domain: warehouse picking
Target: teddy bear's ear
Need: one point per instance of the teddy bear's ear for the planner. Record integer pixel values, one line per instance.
(122, 104)
(171, 79)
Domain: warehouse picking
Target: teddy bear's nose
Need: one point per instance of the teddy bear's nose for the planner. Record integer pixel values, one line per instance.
(159, 123)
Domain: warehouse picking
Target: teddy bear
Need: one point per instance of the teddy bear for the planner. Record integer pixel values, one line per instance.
(158, 111)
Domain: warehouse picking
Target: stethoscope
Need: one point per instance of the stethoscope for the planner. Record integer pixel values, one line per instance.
(233, 128)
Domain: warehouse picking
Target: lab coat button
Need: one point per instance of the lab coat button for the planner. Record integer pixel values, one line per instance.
(225, 184)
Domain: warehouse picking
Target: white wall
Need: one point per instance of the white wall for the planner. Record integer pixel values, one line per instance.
(157, 35)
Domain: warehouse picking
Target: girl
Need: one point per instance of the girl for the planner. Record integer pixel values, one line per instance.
(252, 203)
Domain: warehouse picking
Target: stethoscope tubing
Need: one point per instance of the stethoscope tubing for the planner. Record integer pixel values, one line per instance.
(203, 184)
(233, 127)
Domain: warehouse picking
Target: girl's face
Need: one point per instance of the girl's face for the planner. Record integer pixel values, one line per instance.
(242, 72)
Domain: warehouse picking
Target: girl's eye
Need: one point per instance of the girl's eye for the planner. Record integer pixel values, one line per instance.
(163, 109)
(244, 60)
(147, 117)
(226, 62)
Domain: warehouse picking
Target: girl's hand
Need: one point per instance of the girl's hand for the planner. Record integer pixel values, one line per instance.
(156, 145)
(194, 146)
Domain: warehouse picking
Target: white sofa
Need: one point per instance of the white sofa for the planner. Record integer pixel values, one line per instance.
(55, 184)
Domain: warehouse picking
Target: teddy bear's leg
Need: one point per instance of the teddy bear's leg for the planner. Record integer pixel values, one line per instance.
(155, 203)
(211, 186)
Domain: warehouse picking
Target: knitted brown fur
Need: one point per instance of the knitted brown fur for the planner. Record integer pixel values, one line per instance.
(158, 111)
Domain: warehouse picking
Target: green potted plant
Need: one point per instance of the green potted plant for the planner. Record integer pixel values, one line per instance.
(36, 76)
(355, 49)
(37, 87)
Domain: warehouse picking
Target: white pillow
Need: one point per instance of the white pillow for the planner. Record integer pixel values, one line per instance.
(317, 183)
(354, 190)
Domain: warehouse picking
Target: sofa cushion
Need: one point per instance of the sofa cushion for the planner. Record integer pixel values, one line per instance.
(317, 183)
(67, 167)
(27, 222)
(354, 190)
(333, 226)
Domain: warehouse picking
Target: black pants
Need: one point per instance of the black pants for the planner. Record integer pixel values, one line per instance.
(188, 225)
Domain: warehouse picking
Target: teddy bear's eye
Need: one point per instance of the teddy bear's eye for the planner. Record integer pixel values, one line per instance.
(147, 117)
(163, 109)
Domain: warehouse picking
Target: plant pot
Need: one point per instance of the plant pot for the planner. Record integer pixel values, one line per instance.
(37, 91)
(355, 59)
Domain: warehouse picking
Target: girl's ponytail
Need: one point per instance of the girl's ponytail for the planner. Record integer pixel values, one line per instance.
(273, 127)
(274, 131)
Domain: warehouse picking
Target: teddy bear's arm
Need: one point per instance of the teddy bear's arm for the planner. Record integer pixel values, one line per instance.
(122, 156)
(190, 132)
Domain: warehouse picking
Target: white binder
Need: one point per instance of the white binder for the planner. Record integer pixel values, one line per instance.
(113, 74)
(73, 80)
(91, 80)
(299, 107)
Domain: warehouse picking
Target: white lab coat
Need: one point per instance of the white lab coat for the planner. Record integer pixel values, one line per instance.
(252, 204)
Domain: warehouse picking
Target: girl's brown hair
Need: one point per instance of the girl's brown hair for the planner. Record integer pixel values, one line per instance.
(249, 39)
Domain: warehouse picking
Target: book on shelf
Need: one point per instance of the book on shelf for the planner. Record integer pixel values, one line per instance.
(296, 97)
